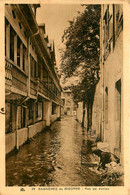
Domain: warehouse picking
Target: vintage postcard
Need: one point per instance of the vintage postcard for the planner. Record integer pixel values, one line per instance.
(65, 101)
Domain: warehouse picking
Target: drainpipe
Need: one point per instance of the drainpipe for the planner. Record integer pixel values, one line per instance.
(28, 49)
(102, 137)
(29, 70)
(16, 132)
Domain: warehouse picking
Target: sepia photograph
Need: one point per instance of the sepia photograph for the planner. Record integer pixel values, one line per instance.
(64, 95)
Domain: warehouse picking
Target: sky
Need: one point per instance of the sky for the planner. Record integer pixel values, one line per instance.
(56, 17)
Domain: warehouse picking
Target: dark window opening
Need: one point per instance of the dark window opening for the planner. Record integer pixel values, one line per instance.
(23, 112)
(50, 82)
(30, 111)
(18, 50)
(13, 13)
(12, 35)
(24, 57)
(36, 109)
(45, 76)
(20, 25)
(39, 110)
(25, 34)
(53, 108)
(33, 67)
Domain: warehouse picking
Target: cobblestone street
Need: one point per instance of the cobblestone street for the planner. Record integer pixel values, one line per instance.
(56, 157)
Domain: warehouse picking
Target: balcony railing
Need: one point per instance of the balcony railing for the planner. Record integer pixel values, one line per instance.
(8, 72)
(42, 88)
(33, 87)
(14, 76)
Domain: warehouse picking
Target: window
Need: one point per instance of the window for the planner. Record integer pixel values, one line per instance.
(20, 26)
(45, 76)
(36, 109)
(30, 111)
(12, 35)
(35, 69)
(40, 62)
(24, 57)
(23, 118)
(13, 13)
(18, 50)
(33, 66)
(39, 107)
(53, 87)
(50, 82)
(53, 108)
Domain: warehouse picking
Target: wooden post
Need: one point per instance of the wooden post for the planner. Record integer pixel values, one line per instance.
(8, 40)
(16, 138)
(28, 62)
(34, 110)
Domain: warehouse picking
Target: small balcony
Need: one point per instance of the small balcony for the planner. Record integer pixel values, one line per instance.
(14, 76)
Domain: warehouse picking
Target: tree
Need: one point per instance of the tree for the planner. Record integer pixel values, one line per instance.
(80, 58)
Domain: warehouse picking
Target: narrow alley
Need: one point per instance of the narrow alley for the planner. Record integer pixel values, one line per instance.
(57, 157)
(64, 95)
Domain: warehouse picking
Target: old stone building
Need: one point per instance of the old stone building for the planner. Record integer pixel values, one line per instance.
(107, 108)
(69, 105)
(32, 88)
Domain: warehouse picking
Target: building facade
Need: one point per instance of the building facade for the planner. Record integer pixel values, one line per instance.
(69, 105)
(32, 87)
(107, 108)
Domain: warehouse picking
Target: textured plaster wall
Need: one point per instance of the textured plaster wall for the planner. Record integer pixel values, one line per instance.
(113, 67)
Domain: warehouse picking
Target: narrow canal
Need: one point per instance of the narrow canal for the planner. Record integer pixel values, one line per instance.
(56, 157)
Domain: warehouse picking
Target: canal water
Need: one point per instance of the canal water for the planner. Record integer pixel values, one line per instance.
(56, 157)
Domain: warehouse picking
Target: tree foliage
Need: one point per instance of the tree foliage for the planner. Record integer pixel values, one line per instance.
(80, 58)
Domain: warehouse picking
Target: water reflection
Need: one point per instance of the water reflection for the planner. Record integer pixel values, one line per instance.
(55, 158)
